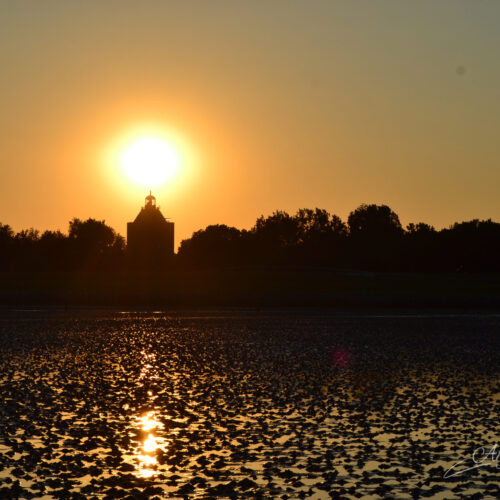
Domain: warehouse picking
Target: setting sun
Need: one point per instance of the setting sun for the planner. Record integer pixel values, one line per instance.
(149, 161)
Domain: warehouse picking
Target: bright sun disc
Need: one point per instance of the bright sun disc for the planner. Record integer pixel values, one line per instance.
(149, 161)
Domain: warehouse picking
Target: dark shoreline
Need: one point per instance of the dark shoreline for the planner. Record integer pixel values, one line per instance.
(252, 287)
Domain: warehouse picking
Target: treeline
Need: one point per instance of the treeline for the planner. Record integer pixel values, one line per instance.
(89, 245)
(371, 239)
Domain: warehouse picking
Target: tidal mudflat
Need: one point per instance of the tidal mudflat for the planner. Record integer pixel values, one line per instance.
(245, 403)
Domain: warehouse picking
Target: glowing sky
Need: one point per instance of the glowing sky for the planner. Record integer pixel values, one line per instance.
(276, 105)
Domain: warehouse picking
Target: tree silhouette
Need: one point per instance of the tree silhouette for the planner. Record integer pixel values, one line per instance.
(274, 238)
(26, 248)
(321, 237)
(421, 247)
(6, 245)
(214, 246)
(471, 246)
(93, 243)
(376, 237)
(374, 221)
(53, 251)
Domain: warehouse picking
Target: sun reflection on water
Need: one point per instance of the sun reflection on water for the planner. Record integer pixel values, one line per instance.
(150, 445)
(148, 421)
(148, 363)
(147, 456)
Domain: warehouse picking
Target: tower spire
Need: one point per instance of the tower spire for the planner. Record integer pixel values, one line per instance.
(150, 200)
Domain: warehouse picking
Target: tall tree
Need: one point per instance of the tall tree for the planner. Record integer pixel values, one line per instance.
(376, 237)
(216, 245)
(92, 242)
(321, 237)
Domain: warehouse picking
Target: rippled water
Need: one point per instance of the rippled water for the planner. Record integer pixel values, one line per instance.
(246, 403)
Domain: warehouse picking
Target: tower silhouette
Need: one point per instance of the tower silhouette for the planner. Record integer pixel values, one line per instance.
(150, 237)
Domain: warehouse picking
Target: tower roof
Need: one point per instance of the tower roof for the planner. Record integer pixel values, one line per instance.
(150, 213)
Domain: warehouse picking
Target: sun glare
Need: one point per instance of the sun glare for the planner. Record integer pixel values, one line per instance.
(149, 161)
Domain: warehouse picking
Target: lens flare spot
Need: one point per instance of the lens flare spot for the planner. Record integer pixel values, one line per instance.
(341, 357)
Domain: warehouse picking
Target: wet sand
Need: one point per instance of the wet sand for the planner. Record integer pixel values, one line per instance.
(276, 403)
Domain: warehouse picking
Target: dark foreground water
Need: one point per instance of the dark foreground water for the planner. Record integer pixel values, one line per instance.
(258, 404)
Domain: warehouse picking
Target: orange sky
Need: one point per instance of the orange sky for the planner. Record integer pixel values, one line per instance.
(279, 105)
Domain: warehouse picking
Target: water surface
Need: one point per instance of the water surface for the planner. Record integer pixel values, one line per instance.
(245, 403)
